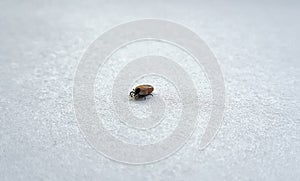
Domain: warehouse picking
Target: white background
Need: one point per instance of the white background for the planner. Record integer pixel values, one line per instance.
(255, 42)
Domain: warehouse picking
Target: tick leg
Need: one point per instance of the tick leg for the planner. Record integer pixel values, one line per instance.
(137, 97)
(142, 96)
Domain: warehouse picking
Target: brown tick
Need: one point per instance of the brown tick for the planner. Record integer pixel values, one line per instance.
(141, 91)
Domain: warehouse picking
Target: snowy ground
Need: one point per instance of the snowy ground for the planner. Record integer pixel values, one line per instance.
(257, 47)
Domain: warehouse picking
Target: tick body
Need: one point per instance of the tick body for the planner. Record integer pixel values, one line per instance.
(141, 91)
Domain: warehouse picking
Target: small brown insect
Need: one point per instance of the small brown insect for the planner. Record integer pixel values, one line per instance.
(141, 91)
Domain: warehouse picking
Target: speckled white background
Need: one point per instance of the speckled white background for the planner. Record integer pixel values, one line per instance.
(257, 46)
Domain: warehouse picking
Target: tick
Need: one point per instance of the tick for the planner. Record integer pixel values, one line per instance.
(141, 91)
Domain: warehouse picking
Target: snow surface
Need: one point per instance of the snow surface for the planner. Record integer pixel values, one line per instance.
(256, 44)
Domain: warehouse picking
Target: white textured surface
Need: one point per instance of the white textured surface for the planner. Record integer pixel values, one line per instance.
(256, 43)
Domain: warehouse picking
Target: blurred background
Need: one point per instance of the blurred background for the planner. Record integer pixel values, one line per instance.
(257, 47)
